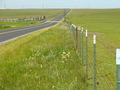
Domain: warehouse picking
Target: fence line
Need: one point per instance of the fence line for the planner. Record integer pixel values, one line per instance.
(23, 19)
(94, 62)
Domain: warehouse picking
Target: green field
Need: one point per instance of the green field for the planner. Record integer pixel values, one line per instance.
(26, 13)
(49, 13)
(105, 23)
(48, 59)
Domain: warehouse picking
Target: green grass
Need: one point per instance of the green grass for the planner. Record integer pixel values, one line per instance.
(105, 23)
(46, 60)
(8, 25)
(26, 13)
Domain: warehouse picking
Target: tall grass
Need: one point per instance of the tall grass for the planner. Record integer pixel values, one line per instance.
(43, 60)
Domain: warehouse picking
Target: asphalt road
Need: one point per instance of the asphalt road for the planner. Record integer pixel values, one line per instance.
(10, 34)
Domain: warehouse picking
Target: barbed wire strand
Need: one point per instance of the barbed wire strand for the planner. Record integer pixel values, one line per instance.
(104, 45)
(104, 61)
(91, 65)
(104, 76)
(100, 86)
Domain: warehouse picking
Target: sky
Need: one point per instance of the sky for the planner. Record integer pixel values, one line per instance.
(43, 4)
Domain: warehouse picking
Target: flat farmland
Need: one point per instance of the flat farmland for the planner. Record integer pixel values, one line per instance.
(105, 24)
(21, 13)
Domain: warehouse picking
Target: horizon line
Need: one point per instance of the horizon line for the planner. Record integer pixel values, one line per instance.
(56, 8)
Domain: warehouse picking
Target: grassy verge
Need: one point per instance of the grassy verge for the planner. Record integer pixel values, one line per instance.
(26, 13)
(42, 61)
(105, 24)
(10, 25)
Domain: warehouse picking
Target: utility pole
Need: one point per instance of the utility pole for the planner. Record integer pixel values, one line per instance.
(89, 5)
(4, 4)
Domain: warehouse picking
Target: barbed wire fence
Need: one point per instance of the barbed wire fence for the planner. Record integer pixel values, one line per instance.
(97, 59)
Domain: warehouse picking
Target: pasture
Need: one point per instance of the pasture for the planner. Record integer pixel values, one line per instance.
(21, 13)
(105, 23)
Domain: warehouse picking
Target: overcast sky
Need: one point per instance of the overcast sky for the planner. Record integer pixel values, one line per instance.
(20, 4)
